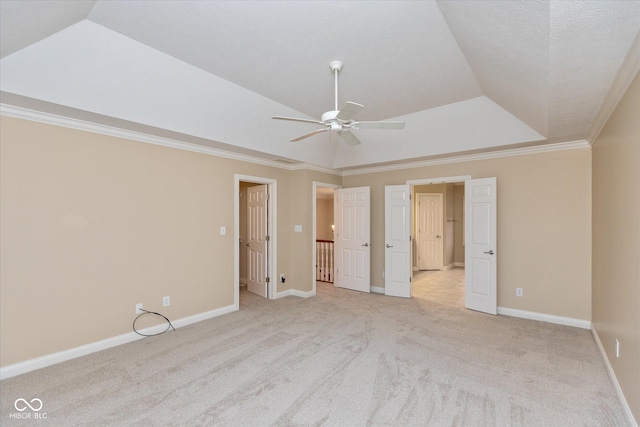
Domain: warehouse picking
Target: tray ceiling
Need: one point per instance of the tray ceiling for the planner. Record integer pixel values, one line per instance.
(464, 75)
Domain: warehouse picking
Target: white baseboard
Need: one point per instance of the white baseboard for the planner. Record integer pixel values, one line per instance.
(83, 350)
(448, 267)
(377, 290)
(458, 264)
(295, 293)
(550, 318)
(612, 375)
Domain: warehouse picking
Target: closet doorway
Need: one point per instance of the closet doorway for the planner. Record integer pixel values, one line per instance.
(255, 245)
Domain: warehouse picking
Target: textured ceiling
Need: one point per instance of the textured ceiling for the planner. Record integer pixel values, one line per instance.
(464, 75)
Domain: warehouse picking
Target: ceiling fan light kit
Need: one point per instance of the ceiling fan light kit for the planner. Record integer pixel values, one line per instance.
(342, 121)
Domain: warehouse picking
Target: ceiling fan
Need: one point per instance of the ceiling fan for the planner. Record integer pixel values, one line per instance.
(342, 121)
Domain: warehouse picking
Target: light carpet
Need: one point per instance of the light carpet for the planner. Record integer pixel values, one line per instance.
(342, 358)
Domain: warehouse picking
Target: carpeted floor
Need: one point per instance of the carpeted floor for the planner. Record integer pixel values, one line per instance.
(342, 358)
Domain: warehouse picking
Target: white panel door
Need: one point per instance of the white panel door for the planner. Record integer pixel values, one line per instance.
(397, 237)
(480, 245)
(430, 241)
(352, 252)
(257, 240)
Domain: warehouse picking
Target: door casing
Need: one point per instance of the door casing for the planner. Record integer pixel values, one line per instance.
(316, 185)
(445, 180)
(272, 229)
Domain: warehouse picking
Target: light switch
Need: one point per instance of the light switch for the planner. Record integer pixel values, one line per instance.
(223, 230)
(297, 228)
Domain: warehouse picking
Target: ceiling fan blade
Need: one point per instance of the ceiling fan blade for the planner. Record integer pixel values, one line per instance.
(349, 138)
(349, 110)
(378, 125)
(307, 135)
(293, 119)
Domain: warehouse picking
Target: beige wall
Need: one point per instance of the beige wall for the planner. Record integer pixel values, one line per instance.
(302, 244)
(324, 219)
(544, 226)
(90, 225)
(616, 242)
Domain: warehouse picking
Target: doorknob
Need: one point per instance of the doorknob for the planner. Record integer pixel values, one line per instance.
(388, 245)
(437, 237)
(489, 252)
(247, 244)
(366, 245)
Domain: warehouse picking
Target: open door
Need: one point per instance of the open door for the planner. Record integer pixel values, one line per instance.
(352, 253)
(257, 253)
(397, 237)
(480, 245)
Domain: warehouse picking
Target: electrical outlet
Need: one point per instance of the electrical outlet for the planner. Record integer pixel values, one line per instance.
(139, 308)
(166, 301)
(617, 348)
(518, 292)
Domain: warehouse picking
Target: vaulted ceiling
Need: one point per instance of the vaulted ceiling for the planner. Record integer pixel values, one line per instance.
(465, 76)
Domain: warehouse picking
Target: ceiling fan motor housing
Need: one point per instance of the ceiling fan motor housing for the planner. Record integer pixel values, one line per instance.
(329, 116)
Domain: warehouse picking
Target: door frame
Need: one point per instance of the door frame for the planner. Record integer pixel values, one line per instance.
(315, 186)
(436, 180)
(272, 231)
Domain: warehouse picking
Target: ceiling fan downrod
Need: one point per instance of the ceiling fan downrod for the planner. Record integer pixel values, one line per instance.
(336, 66)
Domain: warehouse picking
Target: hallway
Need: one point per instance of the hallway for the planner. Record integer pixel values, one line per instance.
(442, 287)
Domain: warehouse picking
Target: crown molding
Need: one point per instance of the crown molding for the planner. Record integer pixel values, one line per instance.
(71, 123)
(307, 166)
(546, 148)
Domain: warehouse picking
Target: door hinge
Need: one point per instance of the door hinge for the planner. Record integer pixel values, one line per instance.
(266, 197)
(409, 238)
(409, 279)
(267, 238)
(267, 280)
